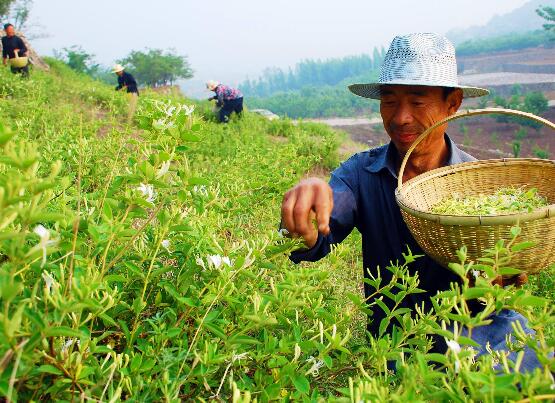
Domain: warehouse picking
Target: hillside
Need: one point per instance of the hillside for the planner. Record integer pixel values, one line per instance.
(143, 262)
(522, 19)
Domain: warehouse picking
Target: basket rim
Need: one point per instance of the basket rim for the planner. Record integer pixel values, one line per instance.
(473, 220)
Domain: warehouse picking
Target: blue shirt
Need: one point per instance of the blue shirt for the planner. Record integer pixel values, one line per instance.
(364, 198)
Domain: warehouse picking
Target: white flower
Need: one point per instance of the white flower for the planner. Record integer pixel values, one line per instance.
(283, 232)
(200, 262)
(164, 168)
(453, 346)
(476, 273)
(316, 365)
(148, 192)
(166, 244)
(297, 352)
(42, 232)
(457, 366)
(169, 110)
(48, 280)
(44, 242)
(188, 109)
(239, 357)
(217, 261)
(200, 190)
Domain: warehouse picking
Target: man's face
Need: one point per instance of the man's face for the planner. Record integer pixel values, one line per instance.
(10, 31)
(120, 73)
(407, 110)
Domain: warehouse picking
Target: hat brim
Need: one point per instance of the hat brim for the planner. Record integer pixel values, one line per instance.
(372, 90)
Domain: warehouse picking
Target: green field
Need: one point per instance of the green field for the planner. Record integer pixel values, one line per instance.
(143, 262)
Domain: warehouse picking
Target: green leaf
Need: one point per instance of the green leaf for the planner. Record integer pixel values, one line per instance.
(62, 331)
(522, 245)
(301, 383)
(197, 181)
(531, 300)
(189, 136)
(242, 339)
(49, 369)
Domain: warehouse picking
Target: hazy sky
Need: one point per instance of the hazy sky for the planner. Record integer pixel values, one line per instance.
(228, 40)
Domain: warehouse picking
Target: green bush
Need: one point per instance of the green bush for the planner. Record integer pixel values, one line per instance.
(143, 263)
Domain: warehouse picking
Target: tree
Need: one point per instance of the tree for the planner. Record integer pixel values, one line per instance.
(548, 13)
(156, 67)
(16, 11)
(78, 59)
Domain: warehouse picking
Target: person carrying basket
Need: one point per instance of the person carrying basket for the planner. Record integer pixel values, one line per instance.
(417, 87)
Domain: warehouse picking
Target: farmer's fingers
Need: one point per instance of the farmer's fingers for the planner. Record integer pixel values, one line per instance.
(323, 206)
(287, 207)
(302, 212)
(519, 280)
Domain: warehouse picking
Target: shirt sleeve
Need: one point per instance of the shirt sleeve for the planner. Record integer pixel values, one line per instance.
(344, 217)
(22, 47)
(220, 95)
(4, 50)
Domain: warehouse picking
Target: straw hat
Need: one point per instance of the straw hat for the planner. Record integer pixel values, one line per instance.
(211, 84)
(418, 59)
(117, 68)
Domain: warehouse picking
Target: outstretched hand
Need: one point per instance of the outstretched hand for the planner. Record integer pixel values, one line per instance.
(311, 199)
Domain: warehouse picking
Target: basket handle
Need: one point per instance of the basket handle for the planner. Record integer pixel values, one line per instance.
(459, 116)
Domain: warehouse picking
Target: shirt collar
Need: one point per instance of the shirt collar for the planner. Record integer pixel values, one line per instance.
(386, 157)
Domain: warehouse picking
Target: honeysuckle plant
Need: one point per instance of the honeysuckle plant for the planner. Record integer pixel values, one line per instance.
(144, 263)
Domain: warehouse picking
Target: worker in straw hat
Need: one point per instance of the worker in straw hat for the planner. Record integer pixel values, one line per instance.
(417, 87)
(13, 47)
(228, 99)
(127, 81)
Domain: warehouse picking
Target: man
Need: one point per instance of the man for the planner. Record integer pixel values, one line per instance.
(127, 81)
(228, 99)
(13, 47)
(417, 87)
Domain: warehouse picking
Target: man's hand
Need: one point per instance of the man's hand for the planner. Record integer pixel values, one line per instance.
(311, 199)
(519, 280)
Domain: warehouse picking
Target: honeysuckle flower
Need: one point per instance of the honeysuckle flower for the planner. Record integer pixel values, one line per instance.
(44, 241)
(169, 110)
(166, 244)
(239, 357)
(200, 262)
(453, 346)
(188, 109)
(316, 365)
(200, 190)
(217, 261)
(164, 168)
(476, 273)
(42, 232)
(297, 352)
(48, 280)
(283, 232)
(148, 192)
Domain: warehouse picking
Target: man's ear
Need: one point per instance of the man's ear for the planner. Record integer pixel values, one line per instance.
(454, 100)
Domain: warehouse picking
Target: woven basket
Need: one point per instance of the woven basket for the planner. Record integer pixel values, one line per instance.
(440, 236)
(19, 62)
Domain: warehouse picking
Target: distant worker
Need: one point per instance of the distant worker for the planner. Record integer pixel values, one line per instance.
(127, 81)
(228, 99)
(13, 47)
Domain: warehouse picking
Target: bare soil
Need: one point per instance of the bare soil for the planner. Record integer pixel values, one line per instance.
(482, 137)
